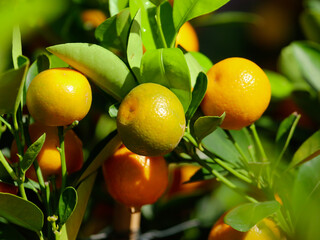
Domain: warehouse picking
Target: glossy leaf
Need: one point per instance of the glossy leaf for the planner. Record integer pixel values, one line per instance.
(67, 203)
(21, 212)
(134, 49)
(185, 10)
(102, 66)
(194, 68)
(219, 144)
(71, 228)
(308, 150)
(281, 87)
(168, 67)
(149, 30)
(204, 126)
(203, 60)
(11, 86)
(245, 216)
(197, 94)
(114, 31)
(115, 6)
(167, 25)
(32, 152)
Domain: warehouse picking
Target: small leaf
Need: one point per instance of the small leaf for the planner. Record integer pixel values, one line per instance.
(134, 49)
(281, 87)
(244, 217)
(11, 86)
(203, 60)
(67, 203)
(32, 152)
(307, 151)
(71, 228)
(197, 94)
(168, 67)
(21, 212)
(102, 66)
(40, 64)
(113, 110)
(203, 126)
(194, 68)
(185, 10)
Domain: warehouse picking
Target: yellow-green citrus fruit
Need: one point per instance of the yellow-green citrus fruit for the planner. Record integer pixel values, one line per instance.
(151, 120)
(238, 87)
(59, 96)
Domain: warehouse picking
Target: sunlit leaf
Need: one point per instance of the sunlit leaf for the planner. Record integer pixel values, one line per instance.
(203, 60)
(194, 67)
(204, 126)
(281, 87)
(102, 66)
(168, 67)
(245, 216)
(115, 6)
(21, 212)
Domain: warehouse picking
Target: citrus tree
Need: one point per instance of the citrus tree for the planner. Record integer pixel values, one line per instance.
(165, 103)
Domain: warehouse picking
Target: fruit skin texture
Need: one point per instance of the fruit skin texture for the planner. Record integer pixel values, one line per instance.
(49, 159)
(187, 38)
(59, 96)
(238, 87)
(264, 230)
(8, 188)
(151, 120)
(135, 180)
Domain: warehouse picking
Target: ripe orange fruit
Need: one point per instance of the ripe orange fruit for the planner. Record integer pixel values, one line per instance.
(238, 87)
(8, 188)
(59, 96)
(135, 180)
(264, 230)
(92, 18)
(49, 157)
(151, 120)
(187, 38)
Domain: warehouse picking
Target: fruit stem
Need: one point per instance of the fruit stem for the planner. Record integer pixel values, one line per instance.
(61, 134)
(158, 18)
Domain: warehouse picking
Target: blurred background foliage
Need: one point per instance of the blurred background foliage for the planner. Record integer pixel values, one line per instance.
(276, 34)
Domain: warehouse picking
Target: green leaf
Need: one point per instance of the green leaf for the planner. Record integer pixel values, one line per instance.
(11, 86)
(244, 217)
(168, 67)
(21, 212)
(115, 6)
(310, 22)
(197, 94)
(157, 2)
(281, 87)
(16, 46)
(103, 67)
(149, 30)
(203, 60)
(67, 203)
(204, 174)
(194, 68)
(55, 62)
(285, 130)
(113, 110)
(7, 231)
(185, 10)
(307, 151)
(71, 228)
(219, 144)
(204, 126)
(134, 49)
(167, 23)
(32, 152)
(114, 31)
(40, 64)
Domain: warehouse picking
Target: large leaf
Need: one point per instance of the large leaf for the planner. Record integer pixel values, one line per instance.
(71, 228)
(244, 217)
(11, 86)
(115, 6)
(185, 10)
(168, 67)
(114, 31)
(308, 150)
(102, 66)
(219, 143)
(21, 212)
(67, 203)
(31, 153)
(134, 49)
(197, 94)
(203, 126)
